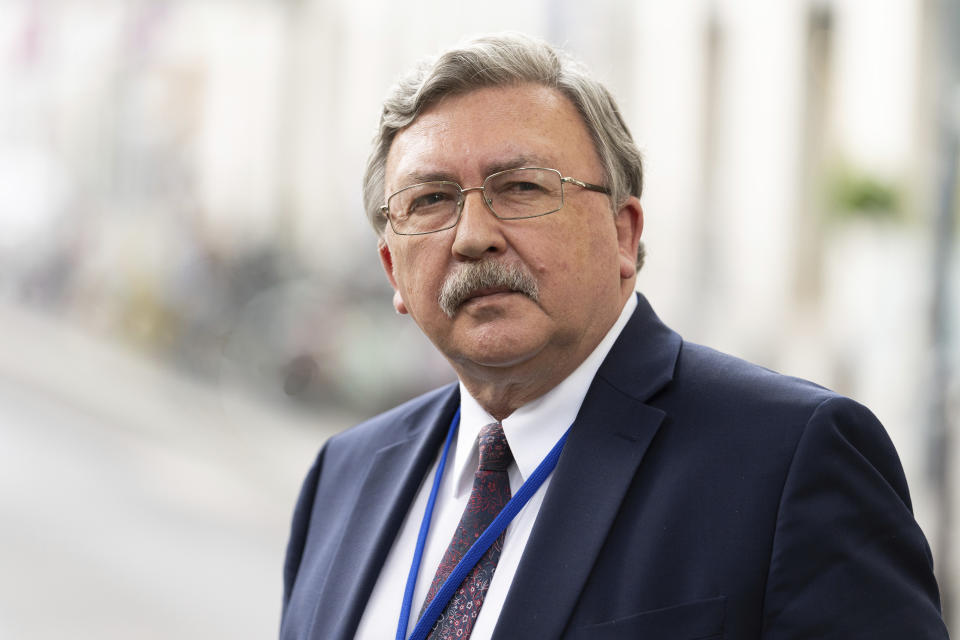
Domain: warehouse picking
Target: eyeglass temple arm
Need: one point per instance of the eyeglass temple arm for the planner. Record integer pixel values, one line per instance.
(586, 185)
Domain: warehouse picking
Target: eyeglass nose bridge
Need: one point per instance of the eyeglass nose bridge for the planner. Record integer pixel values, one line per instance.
(483, 194)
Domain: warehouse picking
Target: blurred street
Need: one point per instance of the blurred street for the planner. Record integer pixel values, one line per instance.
(132, 502)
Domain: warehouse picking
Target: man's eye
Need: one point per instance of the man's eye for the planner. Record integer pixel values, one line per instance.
(521, 187)
(429, 201)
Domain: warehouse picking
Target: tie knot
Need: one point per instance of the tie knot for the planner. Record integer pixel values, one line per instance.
(494, 451)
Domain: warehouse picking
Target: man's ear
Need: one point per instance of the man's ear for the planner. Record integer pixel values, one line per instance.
(386, 259)
(629, 221)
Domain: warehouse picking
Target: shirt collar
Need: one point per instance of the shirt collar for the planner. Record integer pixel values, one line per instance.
(534, 428)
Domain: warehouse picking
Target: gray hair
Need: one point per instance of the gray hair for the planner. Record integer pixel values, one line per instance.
(503, 60)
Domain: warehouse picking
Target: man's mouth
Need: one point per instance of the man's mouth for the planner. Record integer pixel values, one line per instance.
(487, 291)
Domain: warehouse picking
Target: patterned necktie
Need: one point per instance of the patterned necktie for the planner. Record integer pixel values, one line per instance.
(491, 491)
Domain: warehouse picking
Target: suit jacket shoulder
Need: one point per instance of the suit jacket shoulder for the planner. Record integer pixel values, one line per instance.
(389, 427)
(702, 496)
(350, 508)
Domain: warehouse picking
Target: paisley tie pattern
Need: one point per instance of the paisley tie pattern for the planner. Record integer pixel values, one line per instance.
(491, 491)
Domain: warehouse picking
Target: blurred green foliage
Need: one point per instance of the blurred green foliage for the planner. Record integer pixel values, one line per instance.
(853, 194)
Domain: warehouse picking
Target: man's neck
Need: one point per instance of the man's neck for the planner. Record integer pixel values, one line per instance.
(503, 397)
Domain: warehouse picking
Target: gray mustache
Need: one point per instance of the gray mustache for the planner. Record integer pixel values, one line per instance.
(471, 277)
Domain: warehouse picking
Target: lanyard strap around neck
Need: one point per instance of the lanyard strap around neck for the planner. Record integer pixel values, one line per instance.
(479, 547)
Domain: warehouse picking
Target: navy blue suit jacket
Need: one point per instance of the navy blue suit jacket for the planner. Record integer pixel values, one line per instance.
(697, 497)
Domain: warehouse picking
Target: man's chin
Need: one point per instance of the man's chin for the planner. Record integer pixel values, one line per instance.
(496, 335)
(502, 357)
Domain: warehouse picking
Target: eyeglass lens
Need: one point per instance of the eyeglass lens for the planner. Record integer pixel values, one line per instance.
(516, 193)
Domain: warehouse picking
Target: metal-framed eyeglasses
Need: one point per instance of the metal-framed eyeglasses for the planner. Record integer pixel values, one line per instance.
(514, 194)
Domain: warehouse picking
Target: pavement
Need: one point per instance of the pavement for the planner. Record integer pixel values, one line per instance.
(134, 501)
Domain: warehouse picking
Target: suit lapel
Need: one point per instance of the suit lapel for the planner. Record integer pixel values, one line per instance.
(389, 487)
(606, 445)
(595, 470)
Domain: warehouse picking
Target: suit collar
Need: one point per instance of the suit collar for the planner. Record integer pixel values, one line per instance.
(643, 359)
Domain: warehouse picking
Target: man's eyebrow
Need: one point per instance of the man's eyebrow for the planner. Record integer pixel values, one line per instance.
(416, 177)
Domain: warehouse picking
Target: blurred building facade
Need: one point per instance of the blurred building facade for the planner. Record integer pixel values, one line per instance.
(183, 177)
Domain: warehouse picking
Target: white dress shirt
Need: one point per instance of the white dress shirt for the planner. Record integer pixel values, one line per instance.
(531, 431)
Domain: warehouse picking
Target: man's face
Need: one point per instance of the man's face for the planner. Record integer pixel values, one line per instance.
(581, 257)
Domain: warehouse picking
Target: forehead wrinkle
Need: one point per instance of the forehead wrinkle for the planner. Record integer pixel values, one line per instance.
(495, 166)
(514, 162)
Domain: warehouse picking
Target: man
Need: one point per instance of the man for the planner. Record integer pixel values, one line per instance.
(694, 495)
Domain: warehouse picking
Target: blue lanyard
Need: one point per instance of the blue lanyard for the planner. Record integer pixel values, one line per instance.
(480, 546)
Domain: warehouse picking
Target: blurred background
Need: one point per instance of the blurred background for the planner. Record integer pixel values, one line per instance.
(191, 302)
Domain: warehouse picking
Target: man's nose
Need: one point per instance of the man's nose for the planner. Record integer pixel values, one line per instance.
(479, 231)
